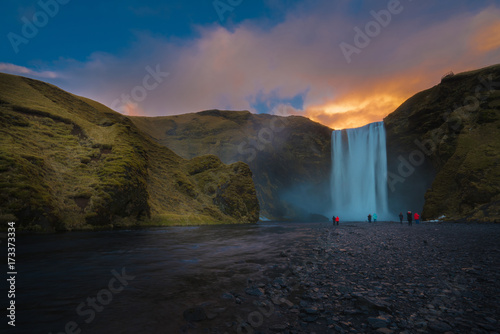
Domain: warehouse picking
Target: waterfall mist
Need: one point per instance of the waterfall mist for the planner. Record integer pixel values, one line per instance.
(359, 173)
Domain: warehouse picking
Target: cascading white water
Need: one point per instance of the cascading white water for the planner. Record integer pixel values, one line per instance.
(359, 173)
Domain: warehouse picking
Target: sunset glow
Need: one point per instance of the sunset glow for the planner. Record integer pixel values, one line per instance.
(353, 112)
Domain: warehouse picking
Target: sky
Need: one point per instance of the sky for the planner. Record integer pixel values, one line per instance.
(342, 63)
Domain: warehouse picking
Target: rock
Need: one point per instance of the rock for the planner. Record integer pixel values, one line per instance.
(279, 282)
(227, 296)
(491, 320)
(311, 310)
(195, 314)
(310, 318)
(421, 324)
(278, 327)
(488, 327)
(378, 322)
(257, 292)
(440, 326)
(372, 303)
(385, 330)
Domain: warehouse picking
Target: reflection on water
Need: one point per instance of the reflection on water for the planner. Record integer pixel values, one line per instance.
(61, 276)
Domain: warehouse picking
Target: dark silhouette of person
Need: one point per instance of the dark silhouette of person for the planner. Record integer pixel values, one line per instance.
(409, 217)
(333, 219)
(401, 217)
(369, 218)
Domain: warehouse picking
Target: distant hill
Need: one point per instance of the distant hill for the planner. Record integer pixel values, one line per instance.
(67, 162)
(444, 144)
(290, 157)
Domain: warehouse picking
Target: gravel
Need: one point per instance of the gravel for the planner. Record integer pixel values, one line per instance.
(370, 278)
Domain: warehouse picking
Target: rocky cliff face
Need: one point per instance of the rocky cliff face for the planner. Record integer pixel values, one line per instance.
(444, 148)
(290, 157)
(67, 162)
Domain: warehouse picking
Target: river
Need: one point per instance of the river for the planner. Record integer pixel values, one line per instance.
(163, 272)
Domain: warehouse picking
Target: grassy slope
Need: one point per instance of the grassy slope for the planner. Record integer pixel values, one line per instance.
(67, 162)
(462, 117)
(288, 156)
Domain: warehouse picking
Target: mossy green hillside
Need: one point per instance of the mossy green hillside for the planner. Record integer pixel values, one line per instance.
(287, 155)
(68, 162)
(459, 122)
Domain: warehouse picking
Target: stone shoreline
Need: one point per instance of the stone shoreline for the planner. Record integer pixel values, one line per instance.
(367, 278)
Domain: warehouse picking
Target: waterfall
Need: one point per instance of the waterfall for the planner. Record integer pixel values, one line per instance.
(359, 173)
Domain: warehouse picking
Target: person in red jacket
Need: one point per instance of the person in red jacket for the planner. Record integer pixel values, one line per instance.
(337, 220)
(417, 218)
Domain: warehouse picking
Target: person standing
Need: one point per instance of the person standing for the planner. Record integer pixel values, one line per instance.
(417, 218)
(401, 217)
(374, 217)
(369, 217)
(337, 220)
(333, 219)
(409, 217)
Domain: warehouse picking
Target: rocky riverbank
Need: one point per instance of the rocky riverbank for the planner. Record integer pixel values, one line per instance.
(366, 278)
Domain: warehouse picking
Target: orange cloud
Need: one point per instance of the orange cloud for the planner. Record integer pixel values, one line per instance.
(428, 54)
(488, 39)
(372, 100)
(354, 111)
(133, 109)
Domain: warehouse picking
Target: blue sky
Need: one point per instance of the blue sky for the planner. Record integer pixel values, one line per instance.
(277, 56)
(82, 27)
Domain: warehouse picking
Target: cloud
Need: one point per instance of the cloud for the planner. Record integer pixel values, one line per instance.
(227, 69)
(21, 70)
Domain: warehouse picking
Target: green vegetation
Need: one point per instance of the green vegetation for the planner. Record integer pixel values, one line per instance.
(68, 163)
(461, 117)
(285, 154)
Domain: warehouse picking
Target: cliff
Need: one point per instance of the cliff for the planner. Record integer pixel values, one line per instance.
(444, 148)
